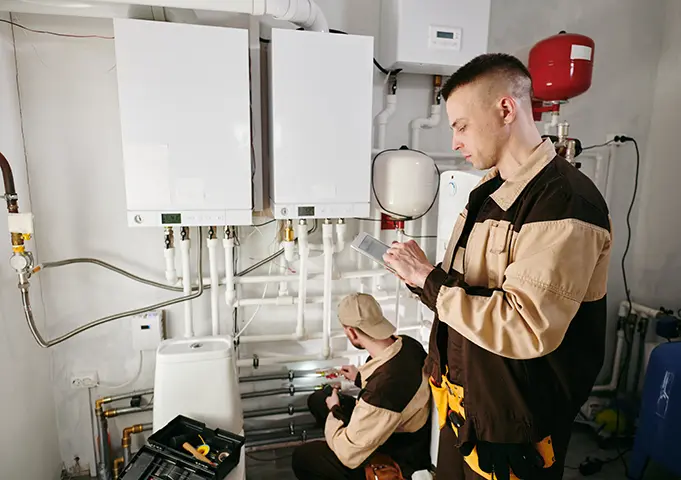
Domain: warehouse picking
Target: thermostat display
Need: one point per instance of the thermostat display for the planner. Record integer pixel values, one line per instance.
(446, 37)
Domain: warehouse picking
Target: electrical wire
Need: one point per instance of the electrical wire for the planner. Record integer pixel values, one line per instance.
(55, 34)
(609, 142)
(627, 292)
(265, 223)
(128, 382)
(419, 236)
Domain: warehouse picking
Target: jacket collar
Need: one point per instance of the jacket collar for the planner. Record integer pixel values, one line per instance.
(382, 358)
(509, 191)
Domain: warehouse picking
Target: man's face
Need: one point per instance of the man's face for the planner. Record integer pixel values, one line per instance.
(353, 337)
(478, 127)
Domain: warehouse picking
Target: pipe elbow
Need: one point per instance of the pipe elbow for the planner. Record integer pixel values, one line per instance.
(390, 108)
(304, 13)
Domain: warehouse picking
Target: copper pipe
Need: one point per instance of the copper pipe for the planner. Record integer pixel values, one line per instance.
(127, 439)
(117, 467)
(10, 188)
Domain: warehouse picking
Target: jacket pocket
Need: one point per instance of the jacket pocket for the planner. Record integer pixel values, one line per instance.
(496, 255)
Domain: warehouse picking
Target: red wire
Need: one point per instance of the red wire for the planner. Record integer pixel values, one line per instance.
(56, 34)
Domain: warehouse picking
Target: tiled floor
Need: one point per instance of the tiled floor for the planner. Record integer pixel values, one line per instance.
(276, 465)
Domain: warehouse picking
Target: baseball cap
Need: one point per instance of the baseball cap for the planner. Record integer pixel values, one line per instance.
(362, 311)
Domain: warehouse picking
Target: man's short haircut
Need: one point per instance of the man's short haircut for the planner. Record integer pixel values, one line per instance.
(497, 66)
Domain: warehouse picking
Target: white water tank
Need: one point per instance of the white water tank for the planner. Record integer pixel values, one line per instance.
(405, 182)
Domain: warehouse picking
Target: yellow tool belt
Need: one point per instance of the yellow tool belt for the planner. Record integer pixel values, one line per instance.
(450, 409)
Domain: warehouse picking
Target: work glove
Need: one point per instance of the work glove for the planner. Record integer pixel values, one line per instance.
(500, 459)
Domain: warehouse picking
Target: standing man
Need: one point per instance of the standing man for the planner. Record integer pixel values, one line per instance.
(519, 298)
(391, 414)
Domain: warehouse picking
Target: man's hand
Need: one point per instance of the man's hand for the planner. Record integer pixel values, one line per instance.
(409, 263)
(333, 400)
(349, 372)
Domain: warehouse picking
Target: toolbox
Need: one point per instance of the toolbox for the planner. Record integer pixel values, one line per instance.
(173, 453)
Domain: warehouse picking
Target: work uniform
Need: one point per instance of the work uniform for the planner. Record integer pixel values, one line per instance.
(520, 304)
(391, 416)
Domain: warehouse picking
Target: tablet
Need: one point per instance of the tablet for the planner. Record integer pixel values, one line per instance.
(372, 248)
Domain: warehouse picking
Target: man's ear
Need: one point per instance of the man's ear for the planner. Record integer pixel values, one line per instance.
(508, 109)
(352, 333)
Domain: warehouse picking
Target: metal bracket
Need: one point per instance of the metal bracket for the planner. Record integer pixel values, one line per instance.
(10, 196)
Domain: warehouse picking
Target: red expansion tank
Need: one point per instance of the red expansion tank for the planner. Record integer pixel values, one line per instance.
(561, 66)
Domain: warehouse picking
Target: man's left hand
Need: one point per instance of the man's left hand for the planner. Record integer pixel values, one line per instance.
(333, 400)
(409, 263)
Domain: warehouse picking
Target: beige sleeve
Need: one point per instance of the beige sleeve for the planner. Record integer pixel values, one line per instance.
(368, 429)
(556, 265)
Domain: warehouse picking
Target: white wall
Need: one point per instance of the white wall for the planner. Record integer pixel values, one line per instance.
(74, 159)
(657, 257)
(27, 411)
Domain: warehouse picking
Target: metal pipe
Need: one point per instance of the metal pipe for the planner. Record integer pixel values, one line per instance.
(28, 313)
(103, 467)
(117, 412)
(103, 472)
(126, 441)
(277, 442)
(267, 412)
(108, 266)
(291, 428)
(264, 378)
(290, 390)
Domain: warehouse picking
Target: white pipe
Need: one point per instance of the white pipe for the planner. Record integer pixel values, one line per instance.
(283, 285)
(304, 252)
(289, 251)
(638, 309)
(610, 178)
(284, 301)
(616, 366)
(214, 284)
(429, 122)
(304, 13)
(171, 272)
(327, 237)
(377, 234)
(228, 244)
(289, 337)
(185, 248)
(259, 279)
(383, 118)
(398, 286)
(341, 229)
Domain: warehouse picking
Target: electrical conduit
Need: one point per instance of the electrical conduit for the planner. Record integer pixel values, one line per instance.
(327, 238)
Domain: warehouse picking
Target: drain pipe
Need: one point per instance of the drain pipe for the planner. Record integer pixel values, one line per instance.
(212, 243)
(304, 251)
(303, 13)
(327, 236)
(185, 249)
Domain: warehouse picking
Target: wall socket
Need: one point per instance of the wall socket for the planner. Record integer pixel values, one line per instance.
(84, 380)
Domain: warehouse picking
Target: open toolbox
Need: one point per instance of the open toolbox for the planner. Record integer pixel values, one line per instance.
(186, 450)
